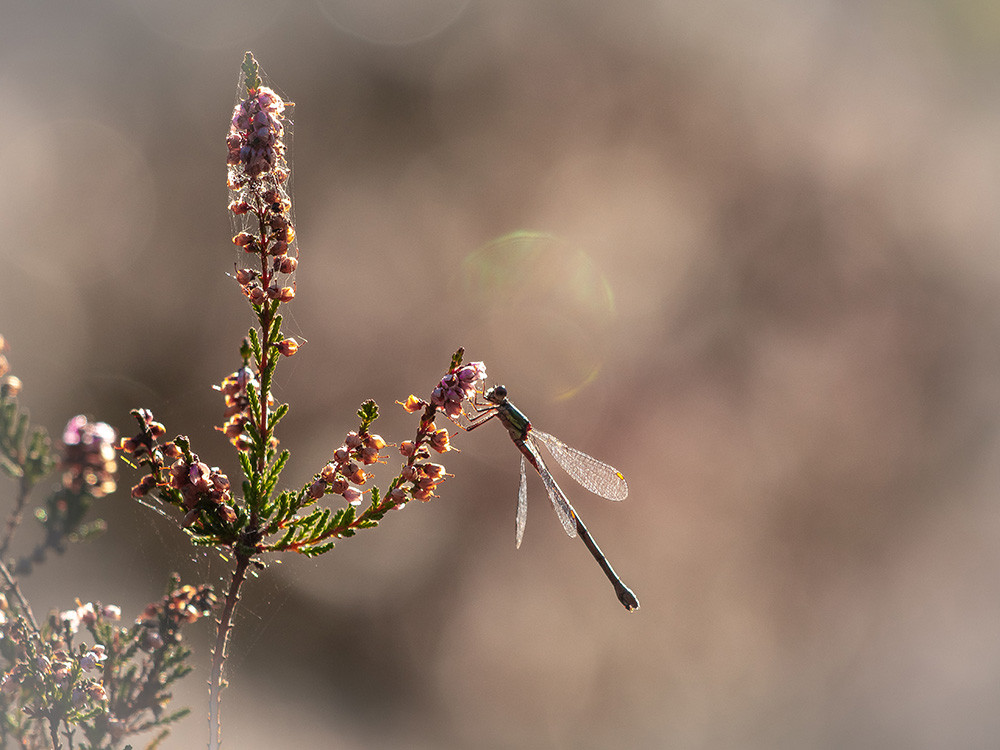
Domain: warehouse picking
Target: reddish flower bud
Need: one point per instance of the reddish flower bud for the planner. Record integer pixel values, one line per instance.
(227, 513)
(244, 239)
(354, 473)
(440, 441)
(171, 451)
(288, 347)
(413, 404)
(286, 264)
(433, 470)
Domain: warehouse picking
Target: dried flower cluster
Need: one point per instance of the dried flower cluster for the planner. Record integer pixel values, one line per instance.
(108, 689)
(162, 620)
(237, 414)
(420, 476)
(340, 475)
(185, 481)
(89, 462)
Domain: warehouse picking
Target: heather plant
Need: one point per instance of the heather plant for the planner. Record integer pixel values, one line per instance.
(254, 521)
(81, 674)
(79, 678)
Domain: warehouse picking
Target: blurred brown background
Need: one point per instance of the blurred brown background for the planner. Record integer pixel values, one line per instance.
(745, 251)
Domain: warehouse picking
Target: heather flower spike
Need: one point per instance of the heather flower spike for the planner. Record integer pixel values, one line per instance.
(259, 201)
(250, 517)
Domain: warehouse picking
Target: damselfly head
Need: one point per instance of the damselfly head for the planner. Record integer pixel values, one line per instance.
(497, 394)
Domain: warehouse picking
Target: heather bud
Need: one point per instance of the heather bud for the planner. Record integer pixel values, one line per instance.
(352, 495)
(10, 386)
(414, 404)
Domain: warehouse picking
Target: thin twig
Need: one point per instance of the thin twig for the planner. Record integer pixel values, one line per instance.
(13, 588)
(15, 516)
(219, 653)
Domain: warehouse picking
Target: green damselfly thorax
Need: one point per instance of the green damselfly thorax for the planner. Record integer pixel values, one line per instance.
(596, 476)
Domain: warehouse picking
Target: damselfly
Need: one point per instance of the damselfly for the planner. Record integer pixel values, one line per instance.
(596, 476)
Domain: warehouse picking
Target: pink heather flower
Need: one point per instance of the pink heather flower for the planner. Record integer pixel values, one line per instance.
(255, 133)
(198, 475)
(70, 619)
(353, 496)
(60, 671)
(457, 386)
(10, 385)
(111, 612)
(93, 658)
(86, 613)
(89, 463)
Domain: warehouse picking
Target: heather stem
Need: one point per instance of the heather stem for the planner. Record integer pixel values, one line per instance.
(12, 588)
(15, 517)
(54, 732)
(225, 625)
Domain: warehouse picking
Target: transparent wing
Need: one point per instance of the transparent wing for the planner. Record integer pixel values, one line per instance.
(522, 506)
(563, 509)
(597, 476)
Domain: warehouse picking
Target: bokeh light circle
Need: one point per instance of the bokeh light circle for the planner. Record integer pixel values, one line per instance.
(542, 308)
(393, 22)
